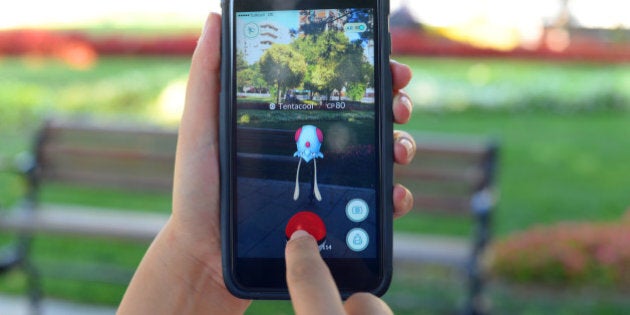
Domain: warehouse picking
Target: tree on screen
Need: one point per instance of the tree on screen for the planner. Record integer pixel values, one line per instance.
(284, 66)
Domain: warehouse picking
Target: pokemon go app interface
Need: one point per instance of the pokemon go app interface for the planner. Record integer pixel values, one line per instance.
(306, 131)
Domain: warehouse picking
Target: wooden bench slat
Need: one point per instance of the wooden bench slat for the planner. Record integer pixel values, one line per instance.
(75, 127)
(445, 148)
(443, 250)
(442, 203)
(138, 168)
(469, 177)
(86, 221)
(120, 138)
(98, 179)
(134, 168)
(104, 163)
(105, 152)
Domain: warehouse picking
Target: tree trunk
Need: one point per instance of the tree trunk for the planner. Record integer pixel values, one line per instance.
(278, 98)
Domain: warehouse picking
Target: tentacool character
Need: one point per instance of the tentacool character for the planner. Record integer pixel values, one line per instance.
(308, 140)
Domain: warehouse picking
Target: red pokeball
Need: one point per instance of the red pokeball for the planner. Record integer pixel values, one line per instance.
(309, 222)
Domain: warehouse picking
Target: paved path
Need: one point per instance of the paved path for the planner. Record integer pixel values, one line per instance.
(18, 305)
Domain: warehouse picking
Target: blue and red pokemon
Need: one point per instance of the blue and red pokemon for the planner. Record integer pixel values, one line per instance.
(308, 140)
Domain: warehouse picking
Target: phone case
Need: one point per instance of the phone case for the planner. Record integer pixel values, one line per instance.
(386, 155)
(387, 145)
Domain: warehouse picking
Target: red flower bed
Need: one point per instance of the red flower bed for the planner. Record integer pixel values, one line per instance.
(72, 48)
(50, 43)
(404, 42)
(574, 253)
(580, 47)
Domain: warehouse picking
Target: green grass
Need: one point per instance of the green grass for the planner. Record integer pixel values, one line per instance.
(563, 129)
(518, 85)
(552, 167)
(34, 88)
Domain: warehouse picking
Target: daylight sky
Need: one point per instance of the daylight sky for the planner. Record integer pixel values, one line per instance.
(592, 13)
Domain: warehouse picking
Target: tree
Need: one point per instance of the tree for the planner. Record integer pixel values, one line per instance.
(240, 61)
(323, 79)
(333, 62)
(350, 68)
(284, 66)
(250, 77)
(355, 91)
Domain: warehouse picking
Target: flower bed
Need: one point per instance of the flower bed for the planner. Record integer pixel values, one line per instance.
(59, 43)
(567, 253)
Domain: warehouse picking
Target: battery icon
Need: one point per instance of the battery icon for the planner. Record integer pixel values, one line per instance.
(355, 27)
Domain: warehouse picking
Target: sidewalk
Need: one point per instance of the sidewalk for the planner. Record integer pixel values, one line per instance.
(18, 305)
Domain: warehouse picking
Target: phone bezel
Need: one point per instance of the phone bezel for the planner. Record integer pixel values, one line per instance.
(243, 276)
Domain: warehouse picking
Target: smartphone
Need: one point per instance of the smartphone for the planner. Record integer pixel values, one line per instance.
(306, 141)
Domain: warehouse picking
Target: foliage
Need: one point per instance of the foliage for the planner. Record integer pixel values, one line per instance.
(251, 77)
(584, 253)
(284, 66)
(240, 61)
(355, 91)
(33, 88)
(518, 86)
(332, 63)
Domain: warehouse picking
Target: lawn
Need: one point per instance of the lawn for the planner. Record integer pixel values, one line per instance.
(552, 167)
(563, 129)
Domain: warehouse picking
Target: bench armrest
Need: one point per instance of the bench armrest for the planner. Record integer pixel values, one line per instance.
(483, 201)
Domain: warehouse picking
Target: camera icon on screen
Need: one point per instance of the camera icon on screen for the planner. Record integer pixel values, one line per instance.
(357, 210)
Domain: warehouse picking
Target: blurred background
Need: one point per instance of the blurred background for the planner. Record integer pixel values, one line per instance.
(549, 79)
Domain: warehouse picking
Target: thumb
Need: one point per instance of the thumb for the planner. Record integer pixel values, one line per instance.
(311, 285)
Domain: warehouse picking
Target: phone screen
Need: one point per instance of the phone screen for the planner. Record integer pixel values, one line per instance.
(307, 151)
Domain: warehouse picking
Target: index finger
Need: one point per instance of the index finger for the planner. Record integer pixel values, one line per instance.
(311, 285)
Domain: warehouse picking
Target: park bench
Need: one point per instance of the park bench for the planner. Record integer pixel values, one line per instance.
(82, 155)
(448, 174)
(452, 176)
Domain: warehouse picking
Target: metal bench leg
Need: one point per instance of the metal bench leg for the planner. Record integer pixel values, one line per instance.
(475, 303)
(32, 276)
(16, 256)
(34, 289)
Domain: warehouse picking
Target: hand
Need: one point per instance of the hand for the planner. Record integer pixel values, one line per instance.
(181, 272)
(312, 288)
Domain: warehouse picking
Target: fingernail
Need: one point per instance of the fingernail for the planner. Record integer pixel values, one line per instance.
(408, 199)
(298, 234)
(408, 147)
(406, 102)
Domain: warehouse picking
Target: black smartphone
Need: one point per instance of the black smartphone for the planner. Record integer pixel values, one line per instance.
(306, 141)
